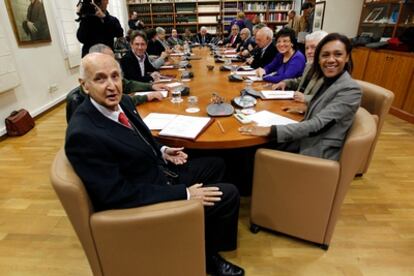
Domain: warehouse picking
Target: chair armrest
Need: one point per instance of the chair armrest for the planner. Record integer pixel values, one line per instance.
(292, 190)
(151, 240)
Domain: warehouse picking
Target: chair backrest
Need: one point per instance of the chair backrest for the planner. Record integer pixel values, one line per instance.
(76, 202)
(377, 101)
(358, 143)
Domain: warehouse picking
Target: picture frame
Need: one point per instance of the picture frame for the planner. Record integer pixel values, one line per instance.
(374, 14)
(29, 21)
(319, 15)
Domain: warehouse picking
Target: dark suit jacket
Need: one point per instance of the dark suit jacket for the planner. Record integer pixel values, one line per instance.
(235, 43)
(132, 70)
(263, 60)
(118, 168)
(198, 39)
(155, 48)
(93, 30)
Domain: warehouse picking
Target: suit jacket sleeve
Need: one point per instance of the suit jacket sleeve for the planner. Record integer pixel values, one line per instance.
(344, 103)
(104, 180)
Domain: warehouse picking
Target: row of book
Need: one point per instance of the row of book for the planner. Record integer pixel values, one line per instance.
(163, 19)
(278, 16)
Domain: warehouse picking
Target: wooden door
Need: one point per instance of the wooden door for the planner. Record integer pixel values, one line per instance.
(359, 58)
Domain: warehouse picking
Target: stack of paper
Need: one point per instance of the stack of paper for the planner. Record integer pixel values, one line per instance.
(181, 126)
(163, 92)
(266, 118)
(276, 94)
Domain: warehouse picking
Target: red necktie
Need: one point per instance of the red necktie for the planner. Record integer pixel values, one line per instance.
(122, 118)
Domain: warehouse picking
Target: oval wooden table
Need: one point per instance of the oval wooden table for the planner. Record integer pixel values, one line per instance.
(203, 84)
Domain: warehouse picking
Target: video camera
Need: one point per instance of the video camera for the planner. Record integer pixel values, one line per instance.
(87, 8)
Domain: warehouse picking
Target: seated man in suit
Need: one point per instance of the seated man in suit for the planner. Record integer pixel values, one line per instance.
(77, 96)
(174, 40)
(203, 37)
(233, 40)
(135, 63)
(265, 51)
(247, 43)
(123, 166)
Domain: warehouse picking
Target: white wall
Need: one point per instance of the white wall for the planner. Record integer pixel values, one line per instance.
(342, 16)
(39, 66)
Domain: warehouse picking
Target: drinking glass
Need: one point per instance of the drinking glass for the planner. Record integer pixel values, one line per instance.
(192, 104)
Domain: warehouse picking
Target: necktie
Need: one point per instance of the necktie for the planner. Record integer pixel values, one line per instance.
(122, 118)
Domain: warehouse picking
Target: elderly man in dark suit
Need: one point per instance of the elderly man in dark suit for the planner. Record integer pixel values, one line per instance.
(265, 51)
(122, 166)
(135, 63)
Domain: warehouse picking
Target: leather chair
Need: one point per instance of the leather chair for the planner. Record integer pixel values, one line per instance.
(300, 195)
(377, 101)
(160, 239)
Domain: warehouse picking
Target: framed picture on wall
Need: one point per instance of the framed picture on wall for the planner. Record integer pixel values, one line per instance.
(319, 15)
(29, 21)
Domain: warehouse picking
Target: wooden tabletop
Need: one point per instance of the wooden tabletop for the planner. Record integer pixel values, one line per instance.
(203, 84)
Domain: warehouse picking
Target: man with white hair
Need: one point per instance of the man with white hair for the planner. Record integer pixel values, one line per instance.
(247, 43)
(303, 84)
(266, 50)
(122, 166)
(203, 37)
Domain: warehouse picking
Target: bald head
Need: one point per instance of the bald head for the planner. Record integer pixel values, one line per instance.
(100, 77)
(263, 37)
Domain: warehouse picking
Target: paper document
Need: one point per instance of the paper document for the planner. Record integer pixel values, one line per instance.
(254, 78)
(277, 94)
(183, 126)
(174, 84)
(230, 51)
(176, 54)
(157, 121)
(163, 80)
(246, 68)
(266, 118)
(246, 73)
(163, 92)
(229, 56)
(167, 67)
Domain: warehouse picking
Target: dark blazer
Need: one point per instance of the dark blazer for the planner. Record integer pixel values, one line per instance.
(118, 168)
(155, 48)
(260, 60)
(198, 39)
(235, 43)
(93, 30)
(329, 116)
(132, 70)
(244, 45)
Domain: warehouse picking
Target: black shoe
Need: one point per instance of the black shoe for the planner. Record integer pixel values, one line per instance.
(217, 266)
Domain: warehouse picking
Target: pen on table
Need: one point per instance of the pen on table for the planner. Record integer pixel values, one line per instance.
(220, 126)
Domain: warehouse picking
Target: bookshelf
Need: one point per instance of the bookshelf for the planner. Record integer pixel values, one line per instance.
(386, 18)
(181, 14)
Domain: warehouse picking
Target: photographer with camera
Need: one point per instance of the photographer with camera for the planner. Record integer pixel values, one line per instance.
(97, 25)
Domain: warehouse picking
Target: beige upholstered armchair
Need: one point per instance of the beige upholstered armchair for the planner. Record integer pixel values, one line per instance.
(159, 239)
(301, 195)
(377, 101)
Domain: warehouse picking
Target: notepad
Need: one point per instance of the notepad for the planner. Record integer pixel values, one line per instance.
(267, 118)
(246, 73)
(174, 84)
(167, 67)
(276, 94)
(163, 92)
(181, 126)
(254, 78)
(163, 80)
(157, 121)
